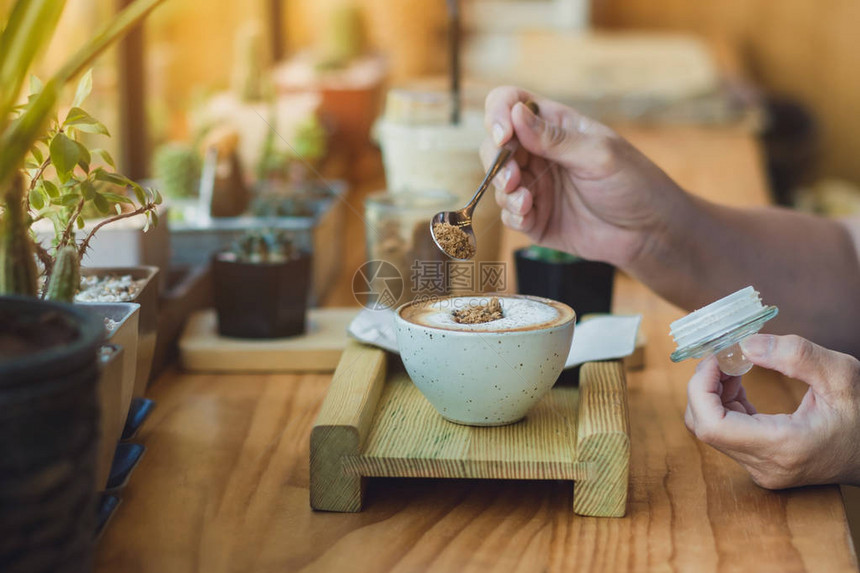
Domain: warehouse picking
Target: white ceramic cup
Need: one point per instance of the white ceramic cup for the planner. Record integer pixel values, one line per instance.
(488, 377)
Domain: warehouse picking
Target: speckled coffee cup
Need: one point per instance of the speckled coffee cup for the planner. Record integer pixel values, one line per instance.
(485, 378)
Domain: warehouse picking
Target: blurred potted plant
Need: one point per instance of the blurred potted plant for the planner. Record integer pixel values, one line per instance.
(586, 286)
(48, 364)
(176, 167)
(262, 287)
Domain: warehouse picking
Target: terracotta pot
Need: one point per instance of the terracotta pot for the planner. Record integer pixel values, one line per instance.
(261, 300)
(49, 427)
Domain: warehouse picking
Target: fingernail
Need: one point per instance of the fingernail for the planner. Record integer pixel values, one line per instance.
(517, 203)
(498, 133)
(514, 221)
(503, 177)
(531, 119)
(757, 346)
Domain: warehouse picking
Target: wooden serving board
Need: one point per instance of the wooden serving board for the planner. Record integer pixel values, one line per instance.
(318, 350)
(375, 423)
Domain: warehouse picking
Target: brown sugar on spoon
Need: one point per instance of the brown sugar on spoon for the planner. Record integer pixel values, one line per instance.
(480, 313)
(453, 241)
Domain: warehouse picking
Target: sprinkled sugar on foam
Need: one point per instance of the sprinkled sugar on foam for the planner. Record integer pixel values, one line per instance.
(518, 314)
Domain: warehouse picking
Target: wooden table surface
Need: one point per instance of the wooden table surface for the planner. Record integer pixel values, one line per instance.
(224, 483)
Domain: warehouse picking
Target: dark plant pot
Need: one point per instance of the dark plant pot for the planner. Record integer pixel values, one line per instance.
(261, 300)
(585, 286)
(49, 428)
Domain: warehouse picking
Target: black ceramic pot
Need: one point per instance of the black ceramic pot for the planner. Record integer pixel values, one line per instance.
(49, 432)
(585, 286)
(261, 300)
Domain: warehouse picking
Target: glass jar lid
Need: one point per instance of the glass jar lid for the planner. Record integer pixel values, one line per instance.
(720, 324)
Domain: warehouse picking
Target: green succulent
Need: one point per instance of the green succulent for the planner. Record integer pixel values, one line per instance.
(269, 246)
(549, 255)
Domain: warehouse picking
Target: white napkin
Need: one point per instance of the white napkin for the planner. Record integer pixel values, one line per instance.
(600, 338)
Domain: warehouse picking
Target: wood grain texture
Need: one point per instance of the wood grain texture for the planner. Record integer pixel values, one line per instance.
(410, 439)
(224, 485)
(603, 441)
(342, 427)
(201, 349)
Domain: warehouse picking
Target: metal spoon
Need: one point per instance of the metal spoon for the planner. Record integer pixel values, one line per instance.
(462, 218)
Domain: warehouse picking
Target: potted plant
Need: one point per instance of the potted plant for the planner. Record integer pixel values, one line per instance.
(585, 286)
(70, 196)
(262, 287)
(48, 361)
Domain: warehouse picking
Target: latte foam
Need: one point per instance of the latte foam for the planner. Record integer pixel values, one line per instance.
(518, 314)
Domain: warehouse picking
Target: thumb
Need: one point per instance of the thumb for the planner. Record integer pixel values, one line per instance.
(795, 357)
(569, 139)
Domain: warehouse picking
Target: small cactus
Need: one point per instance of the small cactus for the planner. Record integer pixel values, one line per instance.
(177, 168)
(265, 247)
(18, 272)
(344, 37)
(65, 276)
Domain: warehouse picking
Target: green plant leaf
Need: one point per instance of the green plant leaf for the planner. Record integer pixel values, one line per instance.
(50, 188)
(37, 200)
(85, 157)
(65, 154)
(80, 222)
(69, 199)
(36, 84)
(114, 178)
(139, 193)
(106, 157)
(37, 154)
(83, 121)
(101, 204)
(116, 198)
(154, 215)
(85, 86)
(88, 190)
(28, 30)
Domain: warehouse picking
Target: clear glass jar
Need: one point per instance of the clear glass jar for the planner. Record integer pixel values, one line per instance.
(421, 150)
(397, 228)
